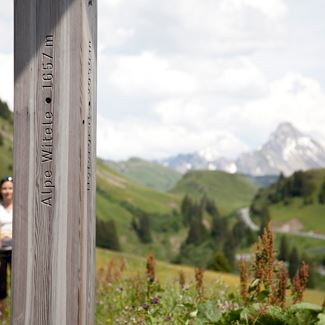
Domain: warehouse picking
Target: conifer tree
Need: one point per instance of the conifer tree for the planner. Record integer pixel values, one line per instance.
(141, 224)
(321, 195)
(251, 237)
(5, 111)
(229, 249)
(279, 194)
(219, 263)
(196, 233)
(211, 208)
(287, 191)
(190, 209)
(281, 178)
(284, 249)
(186, 209)
(264, 215)
(297, 183)
(239, 231)
(293, 262)
(218, 228)
(106, 235)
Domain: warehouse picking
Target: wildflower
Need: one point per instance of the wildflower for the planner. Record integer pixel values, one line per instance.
(145, 306)
(199, 282)
(109, 271)
(299, 282)
(168, 319)
(268, 256)
(151, 268)
(182, 280)
(259, 260)
(155, 300)
(280, 295)
(243, 280)
(269, 252)
(264, 259)
(122, 265)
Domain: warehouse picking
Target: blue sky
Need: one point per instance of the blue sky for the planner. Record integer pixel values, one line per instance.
(177, 76)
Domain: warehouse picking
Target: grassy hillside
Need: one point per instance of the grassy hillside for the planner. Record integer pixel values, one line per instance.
(306, 209)
(168, 274)
(119, 189)
(312, 216)
(118, 197)
(230, 191)
(6, 139)
(147, 173)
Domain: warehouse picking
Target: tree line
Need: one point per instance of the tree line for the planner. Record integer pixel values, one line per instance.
(299, 185)
(293, 260)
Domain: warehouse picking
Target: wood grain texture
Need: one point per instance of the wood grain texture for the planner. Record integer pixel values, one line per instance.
(53, 278)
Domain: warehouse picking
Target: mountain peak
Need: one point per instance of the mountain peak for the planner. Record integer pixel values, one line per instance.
(286, 128)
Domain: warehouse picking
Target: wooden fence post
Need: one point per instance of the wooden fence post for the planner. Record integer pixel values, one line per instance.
(55, 50)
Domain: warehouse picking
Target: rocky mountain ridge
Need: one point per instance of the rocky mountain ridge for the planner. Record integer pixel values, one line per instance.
(286, 151)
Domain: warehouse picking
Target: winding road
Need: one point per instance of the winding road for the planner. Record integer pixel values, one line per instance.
(243, 215)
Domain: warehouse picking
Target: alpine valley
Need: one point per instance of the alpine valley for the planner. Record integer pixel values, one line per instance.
(201, 218)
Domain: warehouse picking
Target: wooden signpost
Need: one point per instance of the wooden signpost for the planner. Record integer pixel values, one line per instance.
(55, 50)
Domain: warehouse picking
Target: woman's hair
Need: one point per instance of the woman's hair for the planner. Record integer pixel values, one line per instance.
(2, 181)
(6, 179)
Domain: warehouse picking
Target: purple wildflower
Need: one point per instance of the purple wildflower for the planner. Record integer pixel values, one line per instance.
(155, 300)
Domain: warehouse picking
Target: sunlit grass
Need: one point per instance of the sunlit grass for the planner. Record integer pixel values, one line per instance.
(168, 274)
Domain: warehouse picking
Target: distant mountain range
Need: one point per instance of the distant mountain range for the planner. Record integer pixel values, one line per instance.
(286, 151)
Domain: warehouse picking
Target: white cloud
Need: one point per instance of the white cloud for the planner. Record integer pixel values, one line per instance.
(244, 76)
(149, 74)
(6, 52)
(187, 124)
(224, 144)
(187, 113)
(272, 8)
(6, 26)
(6, 78)
(191, 26)
(152, 140)
(294, 98)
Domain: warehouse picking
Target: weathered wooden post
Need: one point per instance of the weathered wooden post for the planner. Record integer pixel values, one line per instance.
(54, 162)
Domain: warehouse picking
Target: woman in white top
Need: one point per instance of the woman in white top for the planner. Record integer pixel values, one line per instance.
(6, 203)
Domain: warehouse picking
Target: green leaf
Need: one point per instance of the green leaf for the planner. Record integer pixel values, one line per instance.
(273, 315)
(210, 311)
(232, 317)
(254, 285)
(261, 296)
(244, 315)
(307, 306)
(321, 318)
(303, 313)
(193, 314)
